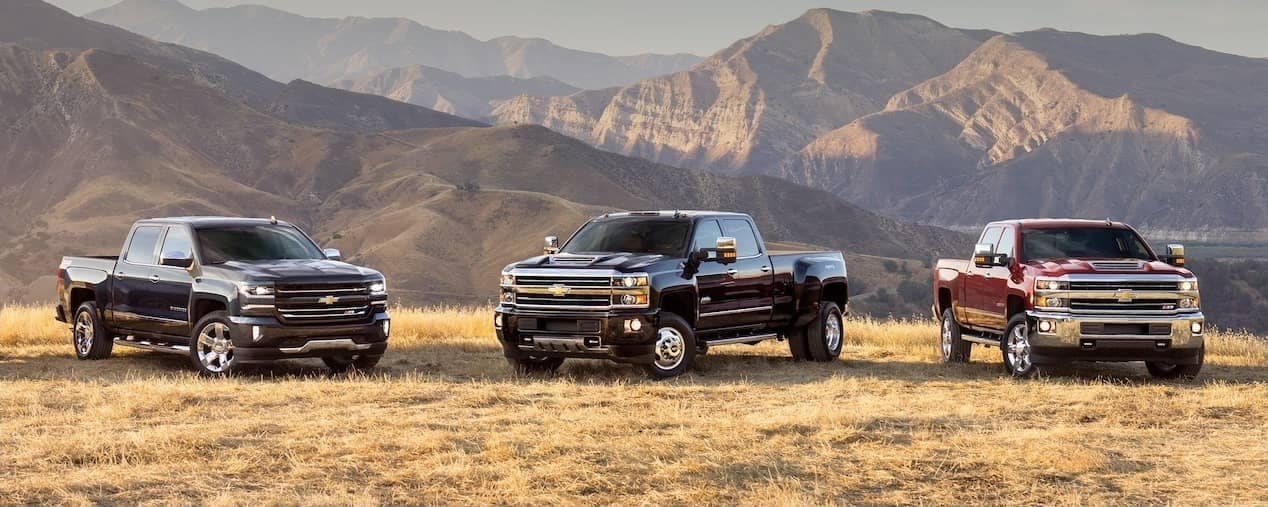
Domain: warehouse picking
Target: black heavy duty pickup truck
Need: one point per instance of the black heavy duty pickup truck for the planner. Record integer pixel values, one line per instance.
(657, 288)
(225, 291)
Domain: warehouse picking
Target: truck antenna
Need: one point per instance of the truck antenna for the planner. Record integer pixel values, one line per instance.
(272, 219)
(1109, 222)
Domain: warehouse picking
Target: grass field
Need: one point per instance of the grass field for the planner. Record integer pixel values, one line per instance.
(443, 422)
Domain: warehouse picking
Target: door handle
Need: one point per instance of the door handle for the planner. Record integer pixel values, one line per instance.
(154, 278)
(120, 275)
(731, 272)
(766, 269)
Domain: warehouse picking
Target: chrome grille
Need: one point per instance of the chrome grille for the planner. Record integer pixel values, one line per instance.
(323, 303)
(1104, 305)
(1135, 285)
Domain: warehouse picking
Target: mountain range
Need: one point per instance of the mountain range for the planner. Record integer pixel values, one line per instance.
(288, 46)
(99, 137)
(469, 97)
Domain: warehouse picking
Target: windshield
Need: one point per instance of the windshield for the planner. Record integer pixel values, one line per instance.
(1083, 243)
(631, 235)
(219, 245)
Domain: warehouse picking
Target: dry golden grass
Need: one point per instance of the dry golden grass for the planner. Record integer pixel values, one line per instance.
(443, 422)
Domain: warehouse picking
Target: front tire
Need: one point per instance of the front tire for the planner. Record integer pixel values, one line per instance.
(89, 335)
(211, 347)
(1015, 347)
(1177, 371)
(825, 335)
(340, 364)
(953, 347)
(674, 349)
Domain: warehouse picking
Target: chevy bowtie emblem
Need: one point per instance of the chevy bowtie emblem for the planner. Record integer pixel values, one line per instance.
(558, 290)
(1124, 295)
(329, 300)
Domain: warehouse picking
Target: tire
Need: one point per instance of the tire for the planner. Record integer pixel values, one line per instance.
(953, 348)
(1177, 371)
(674, 349)
(797, 344)
(1015, 348)
(211, 347)
(339, 364)
(826, 334)
(88, 334)
(530, 365)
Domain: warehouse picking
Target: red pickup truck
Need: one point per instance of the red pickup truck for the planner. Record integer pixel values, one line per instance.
(1047, 291)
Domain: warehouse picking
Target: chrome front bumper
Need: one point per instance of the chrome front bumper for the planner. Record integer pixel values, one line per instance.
(1067, 329)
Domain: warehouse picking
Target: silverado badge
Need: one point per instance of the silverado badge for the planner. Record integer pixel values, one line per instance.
(1124, 295)
(558, 290)
(329, 300)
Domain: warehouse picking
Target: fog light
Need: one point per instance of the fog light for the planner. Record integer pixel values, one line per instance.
(633, 325)
(497, 321)
(1045, 326)
(387, 328)
(1196, 327)
(257, 334)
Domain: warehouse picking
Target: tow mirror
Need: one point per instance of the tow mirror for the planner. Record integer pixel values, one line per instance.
(1175, 255)
(177, 259)
(552, 245)
(333, 254)
(725, 250)
(982, 255)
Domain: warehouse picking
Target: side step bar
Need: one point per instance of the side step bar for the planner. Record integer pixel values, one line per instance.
(742, 339)
(994, 342)
(148, 345)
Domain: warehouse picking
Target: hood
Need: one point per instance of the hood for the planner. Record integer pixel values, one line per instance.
(620, 262)
(1072, 266)
(293, 271)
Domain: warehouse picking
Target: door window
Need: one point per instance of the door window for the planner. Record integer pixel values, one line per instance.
(177, 241)
(745, 238)
(707, 234)
(1006, 242)
(141, 248)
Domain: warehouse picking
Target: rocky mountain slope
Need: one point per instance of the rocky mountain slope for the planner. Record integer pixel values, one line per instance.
(751, 105)
(469, 97)
(1141, 128)
(38, 25)
(329, 50)
(96, 139)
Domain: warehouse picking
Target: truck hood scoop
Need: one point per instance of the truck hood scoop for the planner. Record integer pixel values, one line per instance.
(618, 261)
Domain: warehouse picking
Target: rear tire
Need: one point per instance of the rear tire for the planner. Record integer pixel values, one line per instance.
(1015, 347)
(530, 365)
(89, 335)
(953, 347)
(1177, 371)
(674, 349)
(797, 344)
(826, 334)
(211, 347)
(340, 364)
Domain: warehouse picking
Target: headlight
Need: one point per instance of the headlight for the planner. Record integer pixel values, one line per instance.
(249, 289)
(1052, 285)
(631, 299)
(1188, 303)
(1050, 302)
(508, 279)
(631, 281)
(1188, 285)
(378, 288)
(508, 297)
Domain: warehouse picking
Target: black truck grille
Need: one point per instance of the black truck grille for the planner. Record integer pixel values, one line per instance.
(323, 303)
(1097, 328)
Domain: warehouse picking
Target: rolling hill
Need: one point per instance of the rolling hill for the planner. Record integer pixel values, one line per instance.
(330, 50)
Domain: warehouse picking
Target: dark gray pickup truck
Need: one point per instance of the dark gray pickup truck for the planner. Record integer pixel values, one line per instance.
(657, 288)
(225, 291)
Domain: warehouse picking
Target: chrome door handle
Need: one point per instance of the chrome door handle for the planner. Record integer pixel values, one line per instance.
(154, 278)
(120, 275)
(766, 269)
(731, 272)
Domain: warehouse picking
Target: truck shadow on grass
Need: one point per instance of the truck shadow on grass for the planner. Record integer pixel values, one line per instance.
(464, 362)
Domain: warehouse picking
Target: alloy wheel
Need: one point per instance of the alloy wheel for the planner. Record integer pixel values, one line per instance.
(946, 338)
(84, 333)
(1019, 349)
(215, 349)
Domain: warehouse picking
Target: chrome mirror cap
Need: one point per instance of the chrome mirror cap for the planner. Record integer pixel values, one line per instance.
(333, 254)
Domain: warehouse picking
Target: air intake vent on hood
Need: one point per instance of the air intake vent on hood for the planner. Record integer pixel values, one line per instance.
(572, 260)
(1117, 265)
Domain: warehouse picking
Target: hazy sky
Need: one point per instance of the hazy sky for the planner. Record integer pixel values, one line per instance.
(704, 26)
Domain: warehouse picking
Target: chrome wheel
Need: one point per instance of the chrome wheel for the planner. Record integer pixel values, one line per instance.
(671, 348)
(832, 332)
(946, 339)
(215, 349)
(1019, 349)
(84, 333)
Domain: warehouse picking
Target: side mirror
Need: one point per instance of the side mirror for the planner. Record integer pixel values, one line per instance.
(552, 245)
(726, 251)
(983, 254)
(177, 259)
(333, 254)
(1175, 255)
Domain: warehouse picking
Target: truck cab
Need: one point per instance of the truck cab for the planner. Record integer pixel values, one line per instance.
(657, 288)
(1049, 291)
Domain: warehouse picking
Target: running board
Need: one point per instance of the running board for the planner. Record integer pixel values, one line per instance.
(980, 340)
(742, 339)
(148, 345)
